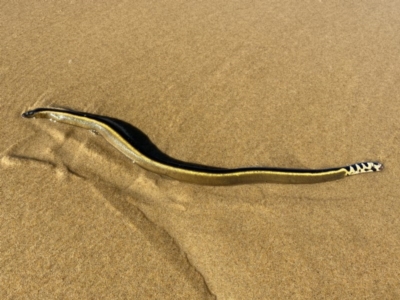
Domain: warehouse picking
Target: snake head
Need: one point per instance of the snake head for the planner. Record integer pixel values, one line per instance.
(29, 114)
(37, 113)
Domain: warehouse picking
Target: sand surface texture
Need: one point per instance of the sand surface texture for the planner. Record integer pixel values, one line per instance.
(311, 84)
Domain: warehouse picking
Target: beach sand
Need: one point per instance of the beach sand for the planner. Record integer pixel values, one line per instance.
(310, 84)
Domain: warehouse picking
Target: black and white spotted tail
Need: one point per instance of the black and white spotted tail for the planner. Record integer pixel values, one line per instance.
(363, 167)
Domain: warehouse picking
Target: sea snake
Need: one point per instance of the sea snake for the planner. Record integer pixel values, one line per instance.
(136, 146)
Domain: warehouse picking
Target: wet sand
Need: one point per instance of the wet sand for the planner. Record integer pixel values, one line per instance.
(227, 84)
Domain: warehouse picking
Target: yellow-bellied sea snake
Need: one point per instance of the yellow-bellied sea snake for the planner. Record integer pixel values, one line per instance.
(135, 145)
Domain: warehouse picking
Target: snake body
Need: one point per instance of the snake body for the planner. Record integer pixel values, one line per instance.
(120, 135)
